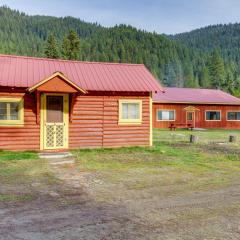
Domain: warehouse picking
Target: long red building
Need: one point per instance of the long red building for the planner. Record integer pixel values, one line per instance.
(198, 108)
(56, 104)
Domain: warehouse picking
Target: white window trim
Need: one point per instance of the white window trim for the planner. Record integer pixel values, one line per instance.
(13, 123)
(122, 121)
(158, 120)
(213, 111)
(229, 120)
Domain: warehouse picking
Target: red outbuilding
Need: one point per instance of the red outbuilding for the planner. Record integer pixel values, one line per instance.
(57, 104)
(195, 108)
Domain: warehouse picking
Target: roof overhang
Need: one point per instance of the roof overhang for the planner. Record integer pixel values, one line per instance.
(55, 75)
(200, 103)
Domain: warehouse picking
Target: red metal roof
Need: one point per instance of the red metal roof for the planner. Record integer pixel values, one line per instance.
(21, 71)
(193, 95)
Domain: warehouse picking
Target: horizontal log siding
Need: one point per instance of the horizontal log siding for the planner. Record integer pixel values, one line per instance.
(86, 128)
(199, 116)
(25, 137)
(115, 135)
(95, 124)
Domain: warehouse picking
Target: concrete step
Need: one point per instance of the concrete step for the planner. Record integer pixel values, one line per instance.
(55, 155)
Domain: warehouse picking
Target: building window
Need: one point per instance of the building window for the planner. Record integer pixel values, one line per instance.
(190, 116)
(11, 111)
(130, 111)
(233, 116)
(213, 115)
(166, 115)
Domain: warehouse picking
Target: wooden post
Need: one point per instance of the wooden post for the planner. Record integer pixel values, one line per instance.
(37, 95)
(193, 138)
(232, 138)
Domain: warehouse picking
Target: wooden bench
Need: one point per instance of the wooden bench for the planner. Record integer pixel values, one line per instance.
(173, 126)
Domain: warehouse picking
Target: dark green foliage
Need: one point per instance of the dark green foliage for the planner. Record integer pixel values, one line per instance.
(217, 70)
(183, 60)
(71, 46)
(51, 50)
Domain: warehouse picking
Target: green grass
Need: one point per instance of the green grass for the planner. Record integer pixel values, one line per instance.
(167, 163)
(14, 198)
(205, 136)
(8, 155)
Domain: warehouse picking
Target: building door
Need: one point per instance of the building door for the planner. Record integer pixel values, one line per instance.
(190, 118)
(54, 124)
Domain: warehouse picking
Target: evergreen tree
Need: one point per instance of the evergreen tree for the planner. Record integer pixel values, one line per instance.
(216, 69)
(189, 80)
(51, 50)
(205, 78)
(71, 46)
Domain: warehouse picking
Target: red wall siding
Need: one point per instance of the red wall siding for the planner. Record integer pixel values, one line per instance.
(199, 116)
(95, 123)
(26, 137)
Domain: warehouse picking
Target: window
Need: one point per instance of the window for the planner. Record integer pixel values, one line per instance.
(190, 116)
(233, 116)
(130, 111)
(11, 111)
(166, 115)
(213, 115)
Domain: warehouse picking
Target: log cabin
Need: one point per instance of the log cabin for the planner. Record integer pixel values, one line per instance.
(195, 108)
(48, 104)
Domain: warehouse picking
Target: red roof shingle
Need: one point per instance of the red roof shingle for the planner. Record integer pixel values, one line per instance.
(193, 95)
(21, 71)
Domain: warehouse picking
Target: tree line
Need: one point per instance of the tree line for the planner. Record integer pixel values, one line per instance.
(182, 61)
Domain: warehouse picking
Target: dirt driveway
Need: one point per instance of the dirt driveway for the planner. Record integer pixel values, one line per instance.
(71, 208)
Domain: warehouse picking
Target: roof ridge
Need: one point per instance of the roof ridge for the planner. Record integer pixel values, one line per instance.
(73, 61)
(194, 88)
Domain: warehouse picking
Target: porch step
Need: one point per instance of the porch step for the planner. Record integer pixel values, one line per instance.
(54, 155)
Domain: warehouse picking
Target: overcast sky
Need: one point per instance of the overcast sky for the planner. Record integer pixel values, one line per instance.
(162, 16)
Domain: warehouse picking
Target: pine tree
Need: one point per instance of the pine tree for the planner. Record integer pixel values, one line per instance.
(51, 50)
(71, 46)
(189, 80)
(205, 78)
(216, 69)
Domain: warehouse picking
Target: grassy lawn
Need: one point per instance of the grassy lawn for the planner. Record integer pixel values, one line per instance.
(205, 136)
(171, 166)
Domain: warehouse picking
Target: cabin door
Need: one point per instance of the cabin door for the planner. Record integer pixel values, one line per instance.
(54, 121)
(190, 118)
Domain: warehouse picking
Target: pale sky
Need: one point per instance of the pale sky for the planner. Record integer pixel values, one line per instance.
(162, 16)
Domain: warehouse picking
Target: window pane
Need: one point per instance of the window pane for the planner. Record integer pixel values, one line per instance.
(3, 111)
(54, 109)
(189, 116)
(133, 111)
(9, 110)
(130, 110)
(213, 115)
(233, 116)
(166, 115)
(125, 111)
(171, 115)
(14, 110)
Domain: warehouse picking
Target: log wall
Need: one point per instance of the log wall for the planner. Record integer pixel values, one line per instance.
(94, 123)
(199, 115)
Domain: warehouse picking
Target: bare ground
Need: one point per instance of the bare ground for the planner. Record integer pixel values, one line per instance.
(83, 206)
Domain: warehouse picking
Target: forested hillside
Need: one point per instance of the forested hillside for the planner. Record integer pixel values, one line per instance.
(181, 60)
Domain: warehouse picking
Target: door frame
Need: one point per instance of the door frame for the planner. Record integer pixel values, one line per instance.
(194, 117)
(43, 114)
